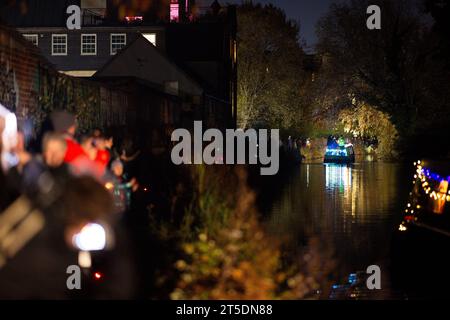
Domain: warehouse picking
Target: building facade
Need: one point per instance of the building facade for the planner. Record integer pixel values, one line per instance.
(196, 40)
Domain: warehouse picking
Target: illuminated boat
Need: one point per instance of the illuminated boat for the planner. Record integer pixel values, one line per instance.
(340, 154)
(423, 237)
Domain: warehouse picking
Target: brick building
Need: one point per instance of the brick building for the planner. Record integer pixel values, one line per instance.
(31, 88)
(199, 38)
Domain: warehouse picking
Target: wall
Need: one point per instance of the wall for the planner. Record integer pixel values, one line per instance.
(74, 60)
(32, 88)
(18, 73)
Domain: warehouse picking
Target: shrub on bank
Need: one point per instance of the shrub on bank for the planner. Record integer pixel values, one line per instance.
(226, 253)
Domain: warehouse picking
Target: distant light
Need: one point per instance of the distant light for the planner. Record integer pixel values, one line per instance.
(402, 228)
(98, 276)
(91, 238)
(134, 18)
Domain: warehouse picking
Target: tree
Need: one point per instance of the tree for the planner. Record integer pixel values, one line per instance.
(377, 66)
(364, 121)
(394, 69)
(270, 67)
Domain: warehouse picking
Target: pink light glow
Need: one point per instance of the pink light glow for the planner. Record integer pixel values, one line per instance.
(174, 14)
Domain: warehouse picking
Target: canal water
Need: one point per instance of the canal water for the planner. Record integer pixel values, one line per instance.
(353, 210)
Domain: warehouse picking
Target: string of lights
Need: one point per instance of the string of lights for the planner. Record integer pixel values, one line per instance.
(426, 184)
(430, 184)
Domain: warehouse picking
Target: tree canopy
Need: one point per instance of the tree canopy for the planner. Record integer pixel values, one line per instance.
(270, 67)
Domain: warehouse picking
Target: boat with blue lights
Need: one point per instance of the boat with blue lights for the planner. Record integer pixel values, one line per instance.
(340, 154)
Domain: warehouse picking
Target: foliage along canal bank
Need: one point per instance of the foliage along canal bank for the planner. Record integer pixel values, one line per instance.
(219, 248)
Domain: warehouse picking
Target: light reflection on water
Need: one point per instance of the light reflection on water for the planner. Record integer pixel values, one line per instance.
(353, 209)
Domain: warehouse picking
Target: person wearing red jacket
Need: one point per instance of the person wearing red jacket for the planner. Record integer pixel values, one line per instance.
(103, 155)
(65, 123)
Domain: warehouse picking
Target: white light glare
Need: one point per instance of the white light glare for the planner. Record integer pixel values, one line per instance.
(91, 238)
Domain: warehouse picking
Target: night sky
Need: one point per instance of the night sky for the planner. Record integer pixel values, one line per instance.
(307, 12)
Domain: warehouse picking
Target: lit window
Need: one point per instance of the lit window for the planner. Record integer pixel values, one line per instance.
(174, 11)
(59, 44)
(33, 38)
(118, 41)
(88, 44)
(151, 37)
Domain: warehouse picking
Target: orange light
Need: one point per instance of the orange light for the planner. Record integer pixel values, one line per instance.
(109, 186)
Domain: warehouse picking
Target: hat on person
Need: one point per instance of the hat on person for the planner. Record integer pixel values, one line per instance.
(62, 120)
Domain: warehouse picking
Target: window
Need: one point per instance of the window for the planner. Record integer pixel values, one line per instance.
(33, 38)
(118, 41)
(88, 44)
(151, 37)
(59, 44)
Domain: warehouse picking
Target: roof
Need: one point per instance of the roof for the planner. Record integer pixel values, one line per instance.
(146, 49)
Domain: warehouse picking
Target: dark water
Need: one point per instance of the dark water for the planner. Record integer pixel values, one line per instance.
(351, 209)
